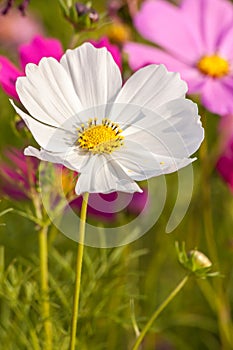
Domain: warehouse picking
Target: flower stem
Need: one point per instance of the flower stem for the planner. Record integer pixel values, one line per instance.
(43, 255)
(79, 261)
(43, 247)
(158, 312)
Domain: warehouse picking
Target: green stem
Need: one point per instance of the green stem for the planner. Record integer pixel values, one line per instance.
(43, 247)
(79, 261)
(43, 255)
(158, 311)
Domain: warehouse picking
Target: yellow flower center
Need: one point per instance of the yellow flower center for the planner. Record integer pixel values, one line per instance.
(214, 66)
(100, 138)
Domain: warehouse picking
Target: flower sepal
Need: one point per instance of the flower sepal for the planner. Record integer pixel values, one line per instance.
(195, 261)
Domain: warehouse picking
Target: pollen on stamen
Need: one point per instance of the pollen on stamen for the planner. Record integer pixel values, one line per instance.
(100, 138)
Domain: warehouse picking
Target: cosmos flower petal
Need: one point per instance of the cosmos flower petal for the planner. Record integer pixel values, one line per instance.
(102, 175)
(160, 21)
(48, 137)
(210, 18)
(38, 48)
(95, 70)
(140, 164)
(149, 87)
(225, 47)
(167, 132)
(181, 134)
(47, 92)
(214, 92)
(72, 159)
(140, 55)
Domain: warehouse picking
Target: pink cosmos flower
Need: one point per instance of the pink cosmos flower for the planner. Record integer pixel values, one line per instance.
(113, 49)
(225, 161)
(196, 39)
(28, 53)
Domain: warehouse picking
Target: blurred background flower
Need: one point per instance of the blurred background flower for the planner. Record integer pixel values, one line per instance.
(195, 40)
(16, 29)
(17, 173)
(107, 207)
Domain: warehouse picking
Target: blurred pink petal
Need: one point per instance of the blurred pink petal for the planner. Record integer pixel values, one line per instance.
(214, 93)
(160, 22)
(225, 49)
(139, 202)
(113, 49)
(8, 75)
(141, 55)
(38, 48)
(209, 18)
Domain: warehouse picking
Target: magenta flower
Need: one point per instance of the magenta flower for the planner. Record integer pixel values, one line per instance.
(17, 175)
(28, 53)
(225, 161)
(113, 49)
(196, 39)
(106, 206)
(139, 202)
(100, 206)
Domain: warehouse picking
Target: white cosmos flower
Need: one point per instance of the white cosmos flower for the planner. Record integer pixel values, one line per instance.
(82, 117)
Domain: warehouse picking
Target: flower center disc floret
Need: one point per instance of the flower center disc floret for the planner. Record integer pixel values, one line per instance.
(214, 66)
(100, 138)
